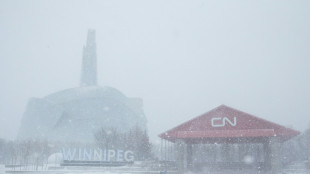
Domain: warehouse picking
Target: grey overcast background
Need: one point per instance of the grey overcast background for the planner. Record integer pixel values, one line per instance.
(183, 57)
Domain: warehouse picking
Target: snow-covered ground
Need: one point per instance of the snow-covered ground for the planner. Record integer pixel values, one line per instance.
(88, 170)
(296, 168)
(153, 172)
(2, 169)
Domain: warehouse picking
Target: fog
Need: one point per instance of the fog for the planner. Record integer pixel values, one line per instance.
(182, 57)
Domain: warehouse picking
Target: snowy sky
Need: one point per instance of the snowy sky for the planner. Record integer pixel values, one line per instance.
(183, 57)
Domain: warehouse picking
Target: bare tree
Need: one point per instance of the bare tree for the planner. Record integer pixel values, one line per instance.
(136, 140)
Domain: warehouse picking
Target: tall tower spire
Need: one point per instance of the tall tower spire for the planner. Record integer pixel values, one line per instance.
(89, 62)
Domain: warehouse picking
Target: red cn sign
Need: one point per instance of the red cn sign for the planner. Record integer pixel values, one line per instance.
(222, 122)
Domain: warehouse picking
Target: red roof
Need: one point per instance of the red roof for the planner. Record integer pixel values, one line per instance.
(224, 122)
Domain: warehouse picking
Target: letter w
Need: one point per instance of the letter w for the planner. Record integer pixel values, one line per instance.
(69, 155)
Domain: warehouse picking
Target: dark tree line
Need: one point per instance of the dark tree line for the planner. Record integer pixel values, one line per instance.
(136, 140)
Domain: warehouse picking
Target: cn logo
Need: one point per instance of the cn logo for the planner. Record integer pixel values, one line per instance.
(221, 122)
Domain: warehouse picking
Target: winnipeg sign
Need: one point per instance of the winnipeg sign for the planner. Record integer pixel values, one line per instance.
(97, 154)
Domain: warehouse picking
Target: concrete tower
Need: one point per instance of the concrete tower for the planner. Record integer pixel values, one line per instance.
(89, 62)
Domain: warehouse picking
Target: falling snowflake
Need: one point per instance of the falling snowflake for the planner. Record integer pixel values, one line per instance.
(106, 108)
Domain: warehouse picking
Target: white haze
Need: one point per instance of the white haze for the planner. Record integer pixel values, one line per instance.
(183, 57)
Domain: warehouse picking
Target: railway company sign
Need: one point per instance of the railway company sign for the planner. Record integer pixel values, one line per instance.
(223, 121)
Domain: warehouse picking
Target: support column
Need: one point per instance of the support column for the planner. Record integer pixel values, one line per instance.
(275, 154)
(180, 156)
(189, 156)
(272, 155)
(267, 156)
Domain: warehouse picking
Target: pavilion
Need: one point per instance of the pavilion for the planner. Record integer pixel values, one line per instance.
(225, 125)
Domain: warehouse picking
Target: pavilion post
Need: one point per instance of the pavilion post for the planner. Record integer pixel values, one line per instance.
(189, 156)
(180, 156)
(267, 155)
(272, 155)
(275, 154)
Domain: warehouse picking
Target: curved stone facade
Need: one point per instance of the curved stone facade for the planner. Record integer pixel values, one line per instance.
(75, 114)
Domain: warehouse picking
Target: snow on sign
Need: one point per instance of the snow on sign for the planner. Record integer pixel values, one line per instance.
(88, 154)
(222, 122)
